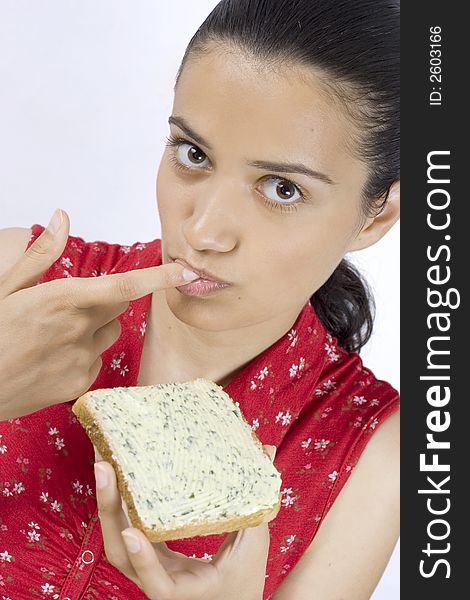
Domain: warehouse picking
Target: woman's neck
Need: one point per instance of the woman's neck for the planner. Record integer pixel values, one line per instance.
(180, 352)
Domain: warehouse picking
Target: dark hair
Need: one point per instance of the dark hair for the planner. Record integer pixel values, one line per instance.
(354, 47)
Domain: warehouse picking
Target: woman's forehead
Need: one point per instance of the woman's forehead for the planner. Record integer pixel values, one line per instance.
(263, 114)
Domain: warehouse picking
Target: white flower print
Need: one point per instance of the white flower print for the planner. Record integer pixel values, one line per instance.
(56, 506)
(306, 443)
(53, 431)
(253, 385)
(3, 448)
(141, 246)
(205, 557)
(5, 556)
(143, 328)
(331, 348)
(285, 418)
(67, 262)
(332, 476)
(289, 541)
(77, 486)
(288, 501)
(327, 386)
(47, 588)
(7, 492)
(263, 373)
(295, 369)
(255, 424)
(18, 488)
(44, 497)
(115, 363)
(359, 400)
(293, 338)
(374, 423)
(289, 498)
(33, 536)
(89, 491)
(95, 273)
(321, 444)
(374, 402)
(358, 422)
(67, 274)
(125, 249)
(33, 525)
(59, 443)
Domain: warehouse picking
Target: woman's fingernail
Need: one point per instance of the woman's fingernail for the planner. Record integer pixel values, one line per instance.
(101, 476)
(189, 275)
(56, 222)
(132, 542)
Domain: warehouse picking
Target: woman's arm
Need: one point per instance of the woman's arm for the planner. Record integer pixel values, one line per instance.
(350, 551)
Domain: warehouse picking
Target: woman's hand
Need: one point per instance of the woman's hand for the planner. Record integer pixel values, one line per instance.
(52, 336)
(236, 572)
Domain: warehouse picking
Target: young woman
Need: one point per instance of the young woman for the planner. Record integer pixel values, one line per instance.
(283, 157)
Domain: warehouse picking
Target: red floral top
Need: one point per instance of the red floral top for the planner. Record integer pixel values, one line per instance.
(304, 394)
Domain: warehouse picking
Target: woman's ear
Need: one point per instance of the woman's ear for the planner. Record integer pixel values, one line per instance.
(376, 227)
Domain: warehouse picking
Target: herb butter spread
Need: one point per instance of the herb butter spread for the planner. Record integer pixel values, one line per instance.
(186, 451)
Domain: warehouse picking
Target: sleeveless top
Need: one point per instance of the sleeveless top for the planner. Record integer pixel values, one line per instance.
(304, 394)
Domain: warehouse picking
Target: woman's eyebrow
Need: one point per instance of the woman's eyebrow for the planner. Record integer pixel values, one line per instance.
(266, 166)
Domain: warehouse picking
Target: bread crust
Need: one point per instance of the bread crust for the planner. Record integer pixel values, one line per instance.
(201, 528)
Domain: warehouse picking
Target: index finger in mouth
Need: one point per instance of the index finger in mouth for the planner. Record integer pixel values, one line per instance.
(86, 292)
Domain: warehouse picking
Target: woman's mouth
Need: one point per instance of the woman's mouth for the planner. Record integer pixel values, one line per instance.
(202, 287)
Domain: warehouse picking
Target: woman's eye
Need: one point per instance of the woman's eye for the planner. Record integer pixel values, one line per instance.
(282, 190)
(189, 155)
(279, 193)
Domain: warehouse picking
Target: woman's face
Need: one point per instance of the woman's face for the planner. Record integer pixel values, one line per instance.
(274, 234)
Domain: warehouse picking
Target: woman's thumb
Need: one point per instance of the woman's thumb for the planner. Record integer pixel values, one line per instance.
(56, 222)
(39, 257)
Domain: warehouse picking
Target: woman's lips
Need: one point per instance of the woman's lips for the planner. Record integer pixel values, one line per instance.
(205, 275)
(202, 287)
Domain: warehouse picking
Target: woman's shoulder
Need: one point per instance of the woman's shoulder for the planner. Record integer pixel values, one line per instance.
(362, 410)
(82, 258)
(345, 379)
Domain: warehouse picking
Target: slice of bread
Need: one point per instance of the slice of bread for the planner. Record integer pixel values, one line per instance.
(187, 463)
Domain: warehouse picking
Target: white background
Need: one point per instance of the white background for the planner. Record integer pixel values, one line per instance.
(85, 94)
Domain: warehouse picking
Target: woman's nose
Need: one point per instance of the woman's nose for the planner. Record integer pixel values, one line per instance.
(214, 222)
